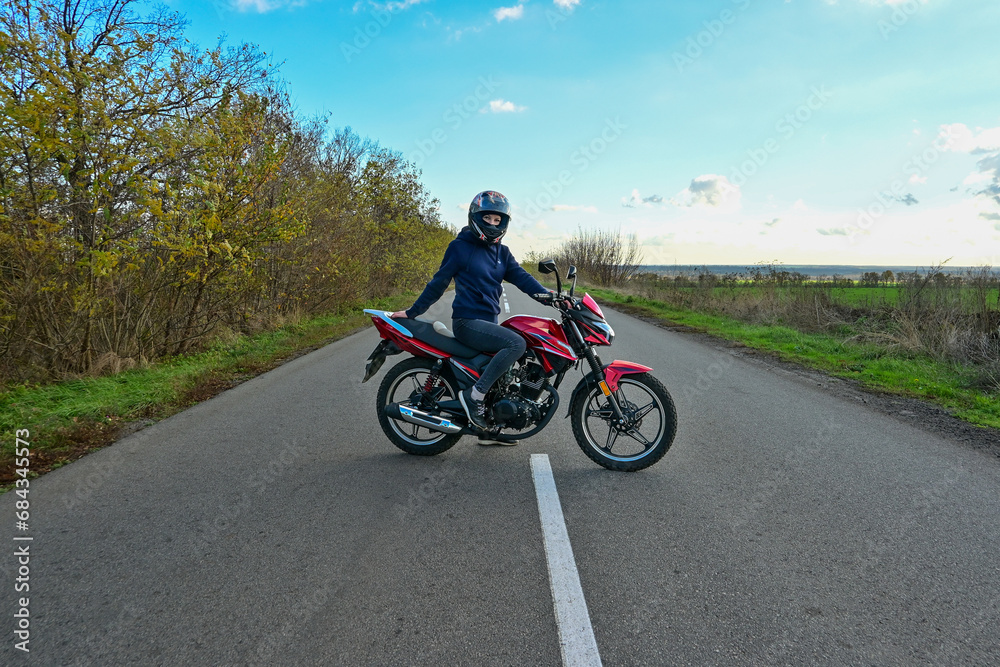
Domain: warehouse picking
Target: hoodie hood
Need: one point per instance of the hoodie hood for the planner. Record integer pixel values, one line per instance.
(470, 235)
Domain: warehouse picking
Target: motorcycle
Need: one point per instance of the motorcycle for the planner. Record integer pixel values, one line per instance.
(623, 418)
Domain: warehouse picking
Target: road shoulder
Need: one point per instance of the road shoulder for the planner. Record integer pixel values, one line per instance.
(924, 415)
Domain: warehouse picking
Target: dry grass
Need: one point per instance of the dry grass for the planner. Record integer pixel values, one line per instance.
(944, 317)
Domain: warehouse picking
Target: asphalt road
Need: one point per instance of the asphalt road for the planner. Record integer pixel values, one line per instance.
(274, 524)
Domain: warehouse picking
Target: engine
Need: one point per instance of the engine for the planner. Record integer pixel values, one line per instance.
(532, 380)
(513, 411)
(518, 407)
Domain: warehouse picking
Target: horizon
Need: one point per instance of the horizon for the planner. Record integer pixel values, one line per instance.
(813, 270)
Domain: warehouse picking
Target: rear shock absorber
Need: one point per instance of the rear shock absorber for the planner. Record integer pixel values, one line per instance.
(433, 378)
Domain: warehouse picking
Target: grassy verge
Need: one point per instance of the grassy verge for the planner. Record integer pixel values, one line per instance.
(950, 385)
(68, 419)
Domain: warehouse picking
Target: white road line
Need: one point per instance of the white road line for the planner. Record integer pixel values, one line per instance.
(506, 305)
(576, 636)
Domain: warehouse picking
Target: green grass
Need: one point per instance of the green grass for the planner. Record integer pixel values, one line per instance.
(65, 418)
(858, 297)
(875, 367)
(890, 296)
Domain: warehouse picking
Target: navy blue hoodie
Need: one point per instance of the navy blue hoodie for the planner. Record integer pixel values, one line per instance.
(478, 270)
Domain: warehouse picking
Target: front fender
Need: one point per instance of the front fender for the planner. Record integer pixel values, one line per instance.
(612, 372)
(617, 368)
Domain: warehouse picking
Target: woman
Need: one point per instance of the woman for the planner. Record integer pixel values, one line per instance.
(479, 263)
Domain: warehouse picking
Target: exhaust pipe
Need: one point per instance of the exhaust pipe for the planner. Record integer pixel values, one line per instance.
(421, 418)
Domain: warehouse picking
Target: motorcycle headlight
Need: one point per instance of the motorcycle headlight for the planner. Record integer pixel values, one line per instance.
(609, 333)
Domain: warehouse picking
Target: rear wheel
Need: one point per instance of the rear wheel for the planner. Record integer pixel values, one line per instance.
(644, 437)
(410, 384)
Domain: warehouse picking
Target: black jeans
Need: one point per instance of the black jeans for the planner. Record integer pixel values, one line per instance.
(489, 337)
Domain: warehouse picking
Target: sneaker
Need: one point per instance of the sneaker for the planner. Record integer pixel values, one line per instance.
(475, 410)
(498, 439)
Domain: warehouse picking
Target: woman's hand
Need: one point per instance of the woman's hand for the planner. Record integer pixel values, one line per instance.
(561, 301)
(399, 315)
(555, 300)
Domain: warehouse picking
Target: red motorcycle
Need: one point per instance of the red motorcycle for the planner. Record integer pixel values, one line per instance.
(623, 418)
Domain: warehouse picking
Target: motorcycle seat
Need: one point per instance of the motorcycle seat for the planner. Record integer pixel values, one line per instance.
(426, 331)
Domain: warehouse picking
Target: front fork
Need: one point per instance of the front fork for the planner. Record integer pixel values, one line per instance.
(595, 366)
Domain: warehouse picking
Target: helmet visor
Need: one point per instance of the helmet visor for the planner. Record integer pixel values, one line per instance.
(490, 202)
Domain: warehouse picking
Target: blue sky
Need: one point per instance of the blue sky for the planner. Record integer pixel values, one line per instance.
(719, 132)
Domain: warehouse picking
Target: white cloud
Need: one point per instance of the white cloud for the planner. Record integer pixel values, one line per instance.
(977, 178)
(264, 6)
(513, 13)
(457, 34)
(985, 142)
(662, 240)
(710, 192)
(917, 178)
(890, 3)
(567, 4)
(960, 139)
(391, 6)
(502, 106)
(635, 200)
(914, 235)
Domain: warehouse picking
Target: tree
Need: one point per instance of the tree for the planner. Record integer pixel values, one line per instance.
(152, 193)
(102, 109)
(871, 279)
(602, 255)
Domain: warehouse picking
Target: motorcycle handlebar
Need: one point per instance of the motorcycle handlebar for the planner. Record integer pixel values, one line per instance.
(558, 301)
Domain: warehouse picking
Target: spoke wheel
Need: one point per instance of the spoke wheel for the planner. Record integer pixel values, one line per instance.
(637, 442)
(405, 383)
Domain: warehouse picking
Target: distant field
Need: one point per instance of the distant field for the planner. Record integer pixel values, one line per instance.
(860, 297)
(890, 295)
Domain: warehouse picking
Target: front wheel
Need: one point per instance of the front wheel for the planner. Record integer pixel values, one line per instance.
(411, 383)
(645, 435)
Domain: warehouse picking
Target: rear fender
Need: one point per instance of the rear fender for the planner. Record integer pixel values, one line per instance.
(612, 372)
(377, 358)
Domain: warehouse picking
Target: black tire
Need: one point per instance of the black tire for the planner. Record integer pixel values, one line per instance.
(400, 384)
(591, 427)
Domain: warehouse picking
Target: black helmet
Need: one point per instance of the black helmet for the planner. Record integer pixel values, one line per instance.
(489, 202)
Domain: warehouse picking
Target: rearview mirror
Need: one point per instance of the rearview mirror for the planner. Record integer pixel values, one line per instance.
(547, 266)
